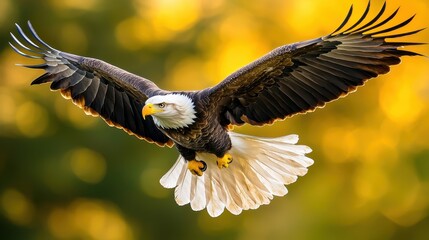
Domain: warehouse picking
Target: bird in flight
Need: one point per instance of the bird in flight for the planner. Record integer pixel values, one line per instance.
(218, 168)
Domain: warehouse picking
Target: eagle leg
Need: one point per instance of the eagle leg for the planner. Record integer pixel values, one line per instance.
(197, 167)
(223, 162)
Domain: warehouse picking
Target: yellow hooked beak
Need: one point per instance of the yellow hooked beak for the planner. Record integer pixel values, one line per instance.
(150, 109)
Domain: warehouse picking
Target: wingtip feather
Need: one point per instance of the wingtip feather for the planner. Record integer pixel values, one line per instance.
(349, 14)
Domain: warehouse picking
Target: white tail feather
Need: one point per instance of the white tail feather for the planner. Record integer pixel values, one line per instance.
(260, 170)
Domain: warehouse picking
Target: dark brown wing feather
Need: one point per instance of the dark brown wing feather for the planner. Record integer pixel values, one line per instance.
(99, 88)
(300, 77)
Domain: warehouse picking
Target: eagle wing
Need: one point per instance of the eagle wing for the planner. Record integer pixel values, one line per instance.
(97, 87)
(300, 77)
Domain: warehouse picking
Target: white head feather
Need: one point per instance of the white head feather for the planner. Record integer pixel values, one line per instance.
(177, 110)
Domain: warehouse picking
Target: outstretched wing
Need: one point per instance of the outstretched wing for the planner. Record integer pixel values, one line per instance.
(99, 88)
(300, 77)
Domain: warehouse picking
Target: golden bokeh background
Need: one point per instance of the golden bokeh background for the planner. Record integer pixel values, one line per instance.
(65, 175)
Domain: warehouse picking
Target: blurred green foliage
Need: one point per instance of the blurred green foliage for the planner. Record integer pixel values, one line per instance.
(64, 175)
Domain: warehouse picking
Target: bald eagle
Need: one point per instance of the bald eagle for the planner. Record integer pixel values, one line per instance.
(218, 168)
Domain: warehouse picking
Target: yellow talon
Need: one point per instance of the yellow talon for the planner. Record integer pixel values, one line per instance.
(224, 161)
(197, 167)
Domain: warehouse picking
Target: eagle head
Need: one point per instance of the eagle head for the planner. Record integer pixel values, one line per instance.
(171, 111)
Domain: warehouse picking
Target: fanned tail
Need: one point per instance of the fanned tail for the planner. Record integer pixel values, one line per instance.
(261, 169)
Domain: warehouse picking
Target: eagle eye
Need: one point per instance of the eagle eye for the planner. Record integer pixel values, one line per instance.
(161, 105)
